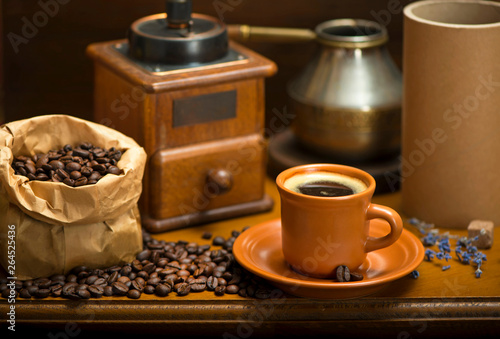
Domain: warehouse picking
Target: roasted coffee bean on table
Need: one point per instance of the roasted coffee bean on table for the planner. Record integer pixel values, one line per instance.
(83, 165)
(342, 273)
(162, 268)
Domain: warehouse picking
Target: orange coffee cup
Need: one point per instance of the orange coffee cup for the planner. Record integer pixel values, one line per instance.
(320, 233)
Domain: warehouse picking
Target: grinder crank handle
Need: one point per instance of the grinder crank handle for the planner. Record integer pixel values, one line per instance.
(269, 34)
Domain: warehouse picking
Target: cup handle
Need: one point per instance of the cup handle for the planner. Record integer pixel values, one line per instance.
(394, 220)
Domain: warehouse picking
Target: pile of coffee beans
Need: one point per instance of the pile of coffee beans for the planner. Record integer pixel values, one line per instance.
(83, 165)
(161, 268)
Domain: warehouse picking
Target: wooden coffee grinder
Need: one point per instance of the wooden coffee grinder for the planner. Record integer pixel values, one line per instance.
(195, 101)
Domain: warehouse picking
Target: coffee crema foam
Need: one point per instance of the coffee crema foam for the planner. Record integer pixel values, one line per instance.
(295, 182)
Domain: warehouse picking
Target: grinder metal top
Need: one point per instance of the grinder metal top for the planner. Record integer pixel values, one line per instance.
(178, 37)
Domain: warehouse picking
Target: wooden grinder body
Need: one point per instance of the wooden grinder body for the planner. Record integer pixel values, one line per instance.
(202, 128)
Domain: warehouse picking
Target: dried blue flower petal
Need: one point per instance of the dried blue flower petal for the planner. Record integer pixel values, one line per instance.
(429, 254)
(472, 249)
(415, 274)
(447, 267)
(413, 221)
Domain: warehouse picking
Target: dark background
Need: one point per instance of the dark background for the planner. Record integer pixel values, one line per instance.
(51, 74)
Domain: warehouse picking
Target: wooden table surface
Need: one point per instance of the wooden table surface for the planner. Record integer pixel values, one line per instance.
(439, 303)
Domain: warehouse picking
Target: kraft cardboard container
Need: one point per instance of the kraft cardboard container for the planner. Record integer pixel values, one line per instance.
(451, 112)
(50, 227)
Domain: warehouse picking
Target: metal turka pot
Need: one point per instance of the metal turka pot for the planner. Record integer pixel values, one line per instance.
(347, 100)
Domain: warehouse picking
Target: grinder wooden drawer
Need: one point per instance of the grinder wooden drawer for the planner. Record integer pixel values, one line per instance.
(194, 179)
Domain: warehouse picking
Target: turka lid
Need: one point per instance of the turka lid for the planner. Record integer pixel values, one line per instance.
(178, 37)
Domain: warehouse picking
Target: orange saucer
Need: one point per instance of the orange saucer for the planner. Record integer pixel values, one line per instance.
(258, 250)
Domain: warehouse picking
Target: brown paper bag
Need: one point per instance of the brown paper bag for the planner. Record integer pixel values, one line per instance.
(58, 227)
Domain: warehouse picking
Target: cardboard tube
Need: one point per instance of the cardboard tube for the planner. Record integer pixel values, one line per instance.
(450, 162)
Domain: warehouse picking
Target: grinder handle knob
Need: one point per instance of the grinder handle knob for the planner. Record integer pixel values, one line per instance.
(219, 181)
(178, 13)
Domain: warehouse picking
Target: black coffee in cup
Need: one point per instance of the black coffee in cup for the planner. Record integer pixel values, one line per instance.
(325, 184)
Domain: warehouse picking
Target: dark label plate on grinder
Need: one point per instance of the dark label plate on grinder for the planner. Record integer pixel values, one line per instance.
(204, 108)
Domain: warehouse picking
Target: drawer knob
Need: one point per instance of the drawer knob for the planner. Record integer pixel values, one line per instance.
(219, 181)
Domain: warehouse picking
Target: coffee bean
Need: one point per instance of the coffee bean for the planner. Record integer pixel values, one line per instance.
(262, 292)
(134, 294)
(138, 285)
(114, 170)
(119, 288)
(108, 291)
(206, 235)
(30, 168)
(75, 175)
(69, 288)
(251, 289)
(42, 293)
(154, 281)
(198, 285)
(220, 290)
(82, 181)
(58, 277)
(42, 177)
(342, 273)
(69, 182)
(115, 155)
(99, 168)
(91, 279)
(149, 268)
(6, 293)
(73, 166)
(232, 289)
(42, 282)
(182, 289)
(218, 241)
(136, 265)
(56, 290)
(228, 276)
(113, 277)
(96, 291)
(81, 153)
(86, 145)
(236, 279)
(83, 293)
(355, 276)
(56, 164)
(144, 255)
(222, 281)
(212, 283)
(86, 171)
(22, 171)
(81, 287)
(149, 289)
(24, 293)
(43, 160)
(162, 290)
